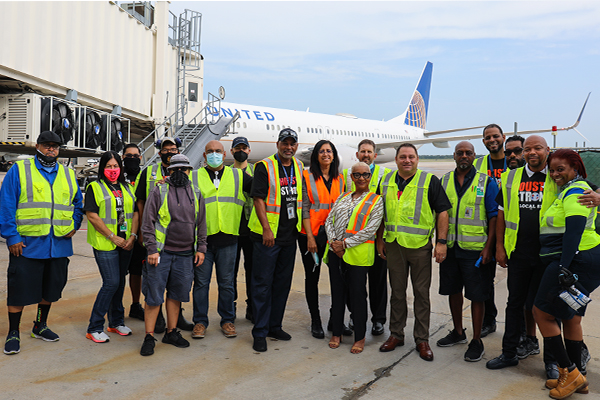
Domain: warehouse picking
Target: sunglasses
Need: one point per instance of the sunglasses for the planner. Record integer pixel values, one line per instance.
(467, 153)
(358, 175)
(517, 151)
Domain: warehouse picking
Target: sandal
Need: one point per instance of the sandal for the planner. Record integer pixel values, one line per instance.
(335, 344)
(358, 347)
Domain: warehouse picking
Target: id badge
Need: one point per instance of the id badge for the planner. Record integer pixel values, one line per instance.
(469, 212)
(290, 211)
(480, 191)
(123, 228)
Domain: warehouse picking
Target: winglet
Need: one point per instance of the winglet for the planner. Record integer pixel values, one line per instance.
(416, 112)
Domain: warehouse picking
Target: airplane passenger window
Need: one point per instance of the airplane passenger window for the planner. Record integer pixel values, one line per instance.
(267, 126)
(244, 124)
(320, 130)
(238, 124)
(273, 127)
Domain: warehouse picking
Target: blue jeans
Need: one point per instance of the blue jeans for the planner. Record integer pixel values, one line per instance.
(223, 257)
(272, 272)
(113, 267)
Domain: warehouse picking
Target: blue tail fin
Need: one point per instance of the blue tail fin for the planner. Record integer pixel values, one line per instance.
(416, 112)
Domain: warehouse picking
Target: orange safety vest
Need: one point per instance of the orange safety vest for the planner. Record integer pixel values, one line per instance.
(321, 200)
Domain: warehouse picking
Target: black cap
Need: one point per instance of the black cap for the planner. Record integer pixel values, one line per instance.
(239, 140)
(287, 133)
(49, 137)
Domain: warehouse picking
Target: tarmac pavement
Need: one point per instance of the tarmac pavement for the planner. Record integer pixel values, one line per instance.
(220, 368)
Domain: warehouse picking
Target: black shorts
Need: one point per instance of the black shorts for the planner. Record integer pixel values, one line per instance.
(138, 258)
(31, 280)
(456, 273)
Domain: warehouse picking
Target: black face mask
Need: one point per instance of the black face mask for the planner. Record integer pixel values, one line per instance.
(132, 166)
(166, 157)
(179, 178)
(240, 156)
(46, 161)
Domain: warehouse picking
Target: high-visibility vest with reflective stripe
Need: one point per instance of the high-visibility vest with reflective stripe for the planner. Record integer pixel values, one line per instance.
(153, 175)
(554, 220)
(224, 206)
(482, 164)
(467, 218)
(378, 174)
(273, 199)
(409, 220)
(164, 217)
(249, 203)
(364, 253)
(321, 200)
(511, 182)
(42, 205)
(107, 204)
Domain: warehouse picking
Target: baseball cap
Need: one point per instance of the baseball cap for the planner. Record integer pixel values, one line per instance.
(166, 140)
(287, 133)
(239, 140)
(49, 137)
(179, 160)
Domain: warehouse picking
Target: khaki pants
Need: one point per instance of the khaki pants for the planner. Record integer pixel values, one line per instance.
(401, 261)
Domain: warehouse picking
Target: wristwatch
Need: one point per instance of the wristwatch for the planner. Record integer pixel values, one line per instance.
(134, 234)
(441, 241)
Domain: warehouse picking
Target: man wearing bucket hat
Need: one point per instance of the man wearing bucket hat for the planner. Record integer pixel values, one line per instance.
(174, 229)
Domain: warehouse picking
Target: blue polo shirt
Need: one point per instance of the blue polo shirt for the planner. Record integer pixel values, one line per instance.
(40, 247)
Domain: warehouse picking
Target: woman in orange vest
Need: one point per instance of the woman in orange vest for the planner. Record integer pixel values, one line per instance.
(322, 184)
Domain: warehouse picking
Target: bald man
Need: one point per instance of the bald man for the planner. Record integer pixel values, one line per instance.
(223, 191)
(471, 246)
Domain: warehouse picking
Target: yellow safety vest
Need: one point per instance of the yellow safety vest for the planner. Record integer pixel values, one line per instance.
(42, 205)
(468, 212)
(224, 206)
(104, 197)
(409, 219)
(378, 174)
(511, 182)
(273, 199)
(554, 219)
(153, 174)
(164, 217)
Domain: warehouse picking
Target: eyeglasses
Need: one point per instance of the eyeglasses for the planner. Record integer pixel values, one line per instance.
(169, 151)
(358, 175)
(325, 151)
(49, 146)
(517, 151)
(467, 153)
(130, 155)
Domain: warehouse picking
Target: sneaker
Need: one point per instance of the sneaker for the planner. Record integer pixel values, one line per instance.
(161, 324)
(98, 337)
(527, 348)
(136, 311)
(475, 351)
(453, 338)
(502, 362)
(487, 329)
(174, 337)
(13, 343)
(199, 331)
(585, 358)
(260, 344)
(148, 345)
(44, 333)
(279, 334)
(121, 330)
(228, 330)
(552, 372)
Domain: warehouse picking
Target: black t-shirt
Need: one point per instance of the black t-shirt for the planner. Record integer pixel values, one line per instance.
(496, 168)
(91, 205)
(286, 232)
(436, 195)
(140, 193)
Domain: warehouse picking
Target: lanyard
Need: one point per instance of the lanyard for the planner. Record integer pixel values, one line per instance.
(289, 180)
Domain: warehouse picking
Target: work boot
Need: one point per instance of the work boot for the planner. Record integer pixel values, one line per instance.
(568, 383)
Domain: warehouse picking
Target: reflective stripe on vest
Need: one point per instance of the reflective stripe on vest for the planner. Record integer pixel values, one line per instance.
(42, 205)
(224, 206)
(320, 198)
(364, 253)
(272, 201)
(153, 174)
(408, 220)
(471, 232)
(249, 202)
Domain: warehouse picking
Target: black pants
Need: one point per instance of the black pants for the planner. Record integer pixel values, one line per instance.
(378, 289)
(491, 312)
(348, 281)
(524, 276)
(245, 244)
(311, 276)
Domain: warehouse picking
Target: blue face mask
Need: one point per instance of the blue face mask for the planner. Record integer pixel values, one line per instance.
(214, 160)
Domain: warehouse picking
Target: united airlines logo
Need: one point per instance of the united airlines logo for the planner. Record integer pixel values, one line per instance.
(248, 114)
(416, 114)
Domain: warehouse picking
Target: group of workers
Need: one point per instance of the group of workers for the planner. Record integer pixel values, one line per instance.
(518, 206)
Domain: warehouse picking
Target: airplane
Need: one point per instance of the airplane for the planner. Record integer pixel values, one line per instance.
(261, 126)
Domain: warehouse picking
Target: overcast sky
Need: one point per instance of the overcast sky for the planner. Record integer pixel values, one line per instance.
(530, 62)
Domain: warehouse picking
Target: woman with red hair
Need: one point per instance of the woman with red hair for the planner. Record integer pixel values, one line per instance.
(571, 250)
